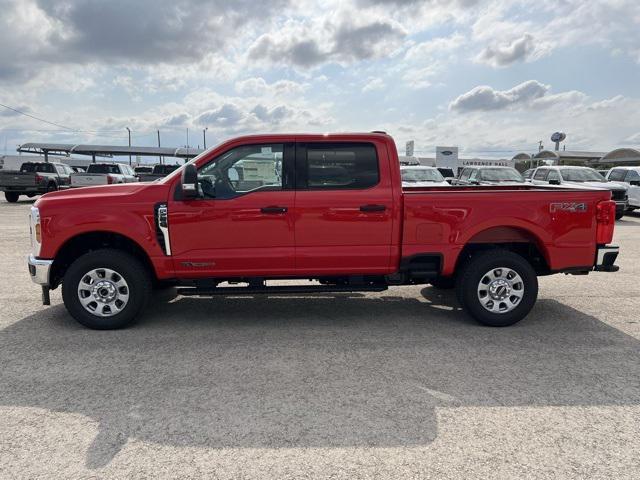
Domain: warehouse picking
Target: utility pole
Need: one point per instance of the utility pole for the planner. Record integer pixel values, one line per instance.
(160, 157)
(129, 131)
(204, 137)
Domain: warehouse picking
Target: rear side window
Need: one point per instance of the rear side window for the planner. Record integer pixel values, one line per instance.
(632, 175)
(341, 166)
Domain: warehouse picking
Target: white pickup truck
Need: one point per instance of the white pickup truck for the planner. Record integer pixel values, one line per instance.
(104, 174)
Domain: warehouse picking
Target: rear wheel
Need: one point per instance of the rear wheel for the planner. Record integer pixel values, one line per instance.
(52, 187)
(619, 215)
(12, 197)
(106, 289)
(498, 287)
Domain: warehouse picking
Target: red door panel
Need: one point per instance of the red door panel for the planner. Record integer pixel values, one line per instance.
(233, 237)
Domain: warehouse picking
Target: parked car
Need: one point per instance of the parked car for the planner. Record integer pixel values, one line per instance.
(104, 174)
(630, 176)
(420, 176)
(350, 225)
(157, 171)
(489, 176)
(34, 178)
(583, 177)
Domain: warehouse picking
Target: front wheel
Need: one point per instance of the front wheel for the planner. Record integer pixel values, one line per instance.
(106, 289)
(497, 287)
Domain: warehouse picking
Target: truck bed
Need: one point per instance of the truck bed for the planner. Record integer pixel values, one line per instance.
(444, 219)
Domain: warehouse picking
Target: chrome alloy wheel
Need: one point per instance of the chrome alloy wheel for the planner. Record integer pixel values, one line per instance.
(500, 290)
(103, 292)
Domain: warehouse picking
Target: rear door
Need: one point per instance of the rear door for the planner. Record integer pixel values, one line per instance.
(343, 208)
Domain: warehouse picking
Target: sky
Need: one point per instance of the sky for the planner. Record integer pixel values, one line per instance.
(492, 77)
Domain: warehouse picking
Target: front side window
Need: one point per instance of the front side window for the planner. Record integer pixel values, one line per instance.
(464, 175)
(242, 170)
(540, 174)
(341, 166)
(632, 176)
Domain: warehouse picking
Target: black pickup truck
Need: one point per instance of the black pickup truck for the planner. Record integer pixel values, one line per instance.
(34, 178)
(159, 171)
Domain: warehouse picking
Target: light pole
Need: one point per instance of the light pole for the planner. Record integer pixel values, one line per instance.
(160, 157)
(204, 137)
(129, 131)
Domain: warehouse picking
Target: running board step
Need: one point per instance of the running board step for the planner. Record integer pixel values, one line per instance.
(279, 290)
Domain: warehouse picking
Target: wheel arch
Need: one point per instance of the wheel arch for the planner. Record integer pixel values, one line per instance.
(82, 243)
(515, 238)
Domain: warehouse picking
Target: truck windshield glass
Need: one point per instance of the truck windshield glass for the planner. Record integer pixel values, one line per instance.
(501, 175)
(421, 175)
(37, 167)
(581, 175)
(103, 168)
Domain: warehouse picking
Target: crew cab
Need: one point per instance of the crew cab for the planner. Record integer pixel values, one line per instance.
(329, 208)
(583, 176)
(104, 174)
(495, 175)
(34, 178)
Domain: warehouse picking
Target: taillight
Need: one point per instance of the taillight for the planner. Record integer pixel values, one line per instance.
(605, 220)
(39, 178)
(109, 179)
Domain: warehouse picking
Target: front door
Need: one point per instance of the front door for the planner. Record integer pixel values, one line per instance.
(343, 209)
(242, 222)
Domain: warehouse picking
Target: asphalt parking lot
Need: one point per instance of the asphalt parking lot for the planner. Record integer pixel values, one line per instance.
(394, 385)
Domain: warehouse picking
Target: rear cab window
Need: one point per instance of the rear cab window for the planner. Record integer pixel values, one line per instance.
(102, 168)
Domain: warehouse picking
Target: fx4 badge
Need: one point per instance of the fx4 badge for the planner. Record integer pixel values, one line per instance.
(567, 207)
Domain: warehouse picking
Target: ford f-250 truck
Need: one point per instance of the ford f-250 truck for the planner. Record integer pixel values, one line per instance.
(325, 207)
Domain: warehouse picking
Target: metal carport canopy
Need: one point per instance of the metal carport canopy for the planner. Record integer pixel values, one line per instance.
(108, 150)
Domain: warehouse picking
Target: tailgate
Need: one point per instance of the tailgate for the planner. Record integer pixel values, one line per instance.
(561, 222)
(88, 179)
(17, 179)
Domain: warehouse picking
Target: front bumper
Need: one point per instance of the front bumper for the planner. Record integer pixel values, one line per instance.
(39, 270)
(606, 257)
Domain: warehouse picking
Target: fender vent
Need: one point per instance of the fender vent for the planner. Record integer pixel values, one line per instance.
(161, 215)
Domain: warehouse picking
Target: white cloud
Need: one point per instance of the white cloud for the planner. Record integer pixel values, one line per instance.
(484, 97)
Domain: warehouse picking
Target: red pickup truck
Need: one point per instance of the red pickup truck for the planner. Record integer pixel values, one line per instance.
(328, 208)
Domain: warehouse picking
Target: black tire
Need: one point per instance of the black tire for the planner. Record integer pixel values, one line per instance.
(12, 197)
(619, 215)
(443, 283)
(51, 187)
(473, 273)
(128, 267)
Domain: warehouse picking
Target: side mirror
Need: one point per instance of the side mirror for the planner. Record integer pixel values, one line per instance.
(189, 181)
(554, 181)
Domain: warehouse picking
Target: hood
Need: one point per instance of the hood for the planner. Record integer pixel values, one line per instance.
(119, 193)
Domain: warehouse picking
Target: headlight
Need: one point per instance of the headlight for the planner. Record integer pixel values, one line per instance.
(35, 230)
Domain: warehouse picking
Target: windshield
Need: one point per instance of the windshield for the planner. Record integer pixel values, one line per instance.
(581, 175)
(421, 175)
(103, 168)
(500, 175)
